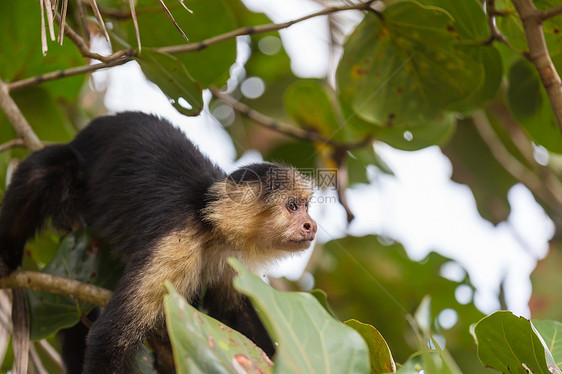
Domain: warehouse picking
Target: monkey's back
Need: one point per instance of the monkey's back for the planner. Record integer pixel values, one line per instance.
(141, 179)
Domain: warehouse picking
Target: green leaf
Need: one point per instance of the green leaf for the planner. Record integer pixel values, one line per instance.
(404, 68)
(202, 344)
(508, 344)
(172, 77)
(412, 138)
(551, 332)
(310, 340)
(475, 166)
(359, 159)
(81, 258)
(491, 61)
(530, 105)
(21, 56)
(44, 114)
(301, 154)
(322, 298)
(470, 21)
(388, 285)
(310, 103)
(210, 18)
(381, 357)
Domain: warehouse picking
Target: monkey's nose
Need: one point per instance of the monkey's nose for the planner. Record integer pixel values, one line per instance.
(310, 227)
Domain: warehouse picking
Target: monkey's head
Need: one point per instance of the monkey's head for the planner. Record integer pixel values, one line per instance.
(263, 207)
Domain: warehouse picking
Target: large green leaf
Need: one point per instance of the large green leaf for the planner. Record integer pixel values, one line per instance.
(81, 258)
(172, 77)
(209, 18)
(381, 357)
(404, 68)
(412, 138)
(21, 56)
(310, 340)
(470, 21)
(475, 165)
(202, 344)
(530, 105)
(375, 282)
(551, 332)
(510, 344)
(311, 104)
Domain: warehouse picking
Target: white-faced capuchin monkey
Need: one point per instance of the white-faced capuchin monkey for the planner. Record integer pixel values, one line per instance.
(169, 213)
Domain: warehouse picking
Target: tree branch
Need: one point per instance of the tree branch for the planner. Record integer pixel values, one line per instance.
(198, 46)
(268, 122)
(16, 118)
(34, 280)
(122, 57)
(514, 167)
(549, 13)
(538, 53)
(284, 128)
(14, 143)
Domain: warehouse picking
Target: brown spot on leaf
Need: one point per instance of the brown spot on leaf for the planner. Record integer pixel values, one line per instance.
(399, 90)
(358, 72)
(556, 31)
(243, 360)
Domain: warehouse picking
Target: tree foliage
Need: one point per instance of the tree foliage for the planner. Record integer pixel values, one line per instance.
(478, 78)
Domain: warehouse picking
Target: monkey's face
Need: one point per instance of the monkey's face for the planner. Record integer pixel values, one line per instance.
(287, 225)
(301, 228)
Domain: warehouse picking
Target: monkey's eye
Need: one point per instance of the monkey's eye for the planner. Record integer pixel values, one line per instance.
(306, 206)
(292, 207)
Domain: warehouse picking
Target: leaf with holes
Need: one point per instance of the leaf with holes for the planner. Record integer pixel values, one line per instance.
(172, 77)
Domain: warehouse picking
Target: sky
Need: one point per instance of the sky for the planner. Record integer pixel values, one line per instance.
(420, 206)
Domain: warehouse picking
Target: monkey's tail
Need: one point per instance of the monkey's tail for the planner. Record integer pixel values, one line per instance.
(46, 184)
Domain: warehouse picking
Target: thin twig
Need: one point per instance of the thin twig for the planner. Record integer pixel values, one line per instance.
(135, 23)
(513, 166)
(36, 361)
(124, 56)
(43, 31)
(14, 143)
(49, 9)
(495, 33)
(20, 331)
(538, 53)
(339, 157)
(97, 13)
(62, 22)
(33, 81)
(261, 29)
(171, 17)
(549, 13)
(83, 46)
(284, 128)
(51, 353)
(270, 123)
(18, 121)
(33, 280)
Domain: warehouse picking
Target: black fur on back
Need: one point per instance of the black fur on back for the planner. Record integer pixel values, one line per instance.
(134, 179)
(44, 185)
(143, 178)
